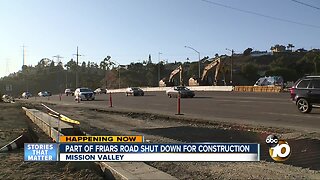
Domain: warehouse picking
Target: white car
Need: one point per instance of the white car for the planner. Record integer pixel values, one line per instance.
(84, 94)
(26, 95)
(43, 94)
(184, 92)
(100, 91)
(134, 91)
(69, 92)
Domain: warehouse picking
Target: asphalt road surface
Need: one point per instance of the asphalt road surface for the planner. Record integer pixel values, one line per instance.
(265, 109)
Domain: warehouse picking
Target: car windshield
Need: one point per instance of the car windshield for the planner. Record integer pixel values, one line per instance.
(85, 90)
(181, 88)
(135, 88)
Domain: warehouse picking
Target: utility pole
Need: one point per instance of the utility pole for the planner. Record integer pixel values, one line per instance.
(58, 58)
(199, 64)
(159, 67)
(58, 77)
(231, 73)
(23, 61)
(231, 66)
(77, 78)
(119, 75)
(23, 64)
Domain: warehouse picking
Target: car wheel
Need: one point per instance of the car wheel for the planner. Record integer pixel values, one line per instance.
(169, 95)
(304, 106)
(127, 94)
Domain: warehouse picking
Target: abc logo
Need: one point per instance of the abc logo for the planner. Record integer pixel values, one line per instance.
(279, 150)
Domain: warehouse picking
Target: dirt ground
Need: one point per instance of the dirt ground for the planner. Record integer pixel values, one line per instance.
(13, 122)
(97, 122)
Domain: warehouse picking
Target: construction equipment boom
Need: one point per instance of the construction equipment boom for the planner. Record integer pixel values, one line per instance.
(170, 82)
(215, 63)
(175, 72)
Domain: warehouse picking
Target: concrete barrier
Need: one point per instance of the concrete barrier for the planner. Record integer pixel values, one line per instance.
(46, 123)
(258, 88)
(194, 88)
(119, 170)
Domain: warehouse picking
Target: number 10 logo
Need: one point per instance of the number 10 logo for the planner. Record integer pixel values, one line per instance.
(279, 150)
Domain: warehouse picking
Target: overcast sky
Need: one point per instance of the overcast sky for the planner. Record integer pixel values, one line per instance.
(130, 30)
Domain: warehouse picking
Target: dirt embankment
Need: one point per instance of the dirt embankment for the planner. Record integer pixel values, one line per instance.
(13, 122)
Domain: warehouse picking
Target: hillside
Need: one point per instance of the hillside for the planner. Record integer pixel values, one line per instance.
(47, 75)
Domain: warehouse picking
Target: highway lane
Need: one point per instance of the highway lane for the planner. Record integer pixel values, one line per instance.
(266, 109)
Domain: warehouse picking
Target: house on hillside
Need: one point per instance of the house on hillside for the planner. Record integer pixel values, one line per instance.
(260, 53)
(278, 48)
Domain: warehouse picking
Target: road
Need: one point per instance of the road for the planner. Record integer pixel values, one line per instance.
(260, 109)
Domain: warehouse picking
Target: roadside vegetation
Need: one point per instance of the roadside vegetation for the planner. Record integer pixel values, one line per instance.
(247, 68)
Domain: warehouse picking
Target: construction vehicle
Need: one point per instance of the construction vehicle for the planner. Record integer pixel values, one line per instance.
(170, 82)
(204, 80)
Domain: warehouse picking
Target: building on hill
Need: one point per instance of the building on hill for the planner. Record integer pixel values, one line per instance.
(278, 48)
(260, 53)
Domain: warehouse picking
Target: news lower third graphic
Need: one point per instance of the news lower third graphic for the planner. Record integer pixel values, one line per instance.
(133, 149)
(40, 152)
(279, 149)
(160, 152)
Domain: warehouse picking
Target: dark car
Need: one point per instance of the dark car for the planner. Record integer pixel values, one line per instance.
(183, 91)
(49, 93)
(305, 93)
(134, 91)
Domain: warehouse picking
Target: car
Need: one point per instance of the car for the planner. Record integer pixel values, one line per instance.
(84, 94)
(305, 93)
(49, 93)
(43, 94)
(100, 91)
(183, 91)
(26, 95)
(7, 98)
(134, 91)
(69, 91)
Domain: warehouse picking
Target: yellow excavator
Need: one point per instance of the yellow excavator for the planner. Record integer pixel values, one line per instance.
(170, 82)
(215, 63)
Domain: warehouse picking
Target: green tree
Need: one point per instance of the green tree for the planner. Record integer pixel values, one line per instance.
(247, 52)
(250, 71)
(287, 74)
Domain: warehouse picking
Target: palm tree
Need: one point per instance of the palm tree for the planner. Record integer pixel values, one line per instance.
(290, 46)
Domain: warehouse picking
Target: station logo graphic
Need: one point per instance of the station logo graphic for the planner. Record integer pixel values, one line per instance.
(279, 150)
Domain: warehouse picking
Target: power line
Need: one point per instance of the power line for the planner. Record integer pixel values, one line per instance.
(261, 15)
(309, 5)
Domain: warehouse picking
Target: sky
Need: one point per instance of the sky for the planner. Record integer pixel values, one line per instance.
(130, 30)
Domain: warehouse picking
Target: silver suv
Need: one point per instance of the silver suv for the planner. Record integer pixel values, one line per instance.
(84, 94)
